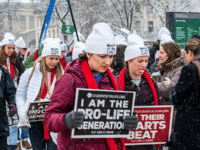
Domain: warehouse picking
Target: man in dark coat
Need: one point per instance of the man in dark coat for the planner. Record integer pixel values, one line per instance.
(152, 50)
(7, 93)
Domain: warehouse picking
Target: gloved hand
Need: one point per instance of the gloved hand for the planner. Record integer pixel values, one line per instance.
(12, 110)
(167, 81)
(131, 122)
(73, 119)
(171, 141)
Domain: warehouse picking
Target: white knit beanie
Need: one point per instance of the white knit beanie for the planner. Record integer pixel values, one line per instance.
(165, 39)
(78, 49)
(126, 31)
(135, 48)
(162, 31)
(80, 36)
(63, 46)
(20, 43)
(120, 40)
(51, 47)
(101, 40)
(0, 44)
(9, 38)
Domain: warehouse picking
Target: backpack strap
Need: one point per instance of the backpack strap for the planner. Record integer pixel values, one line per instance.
(197, 64)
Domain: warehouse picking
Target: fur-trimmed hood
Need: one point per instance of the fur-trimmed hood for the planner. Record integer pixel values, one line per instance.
(176, 63)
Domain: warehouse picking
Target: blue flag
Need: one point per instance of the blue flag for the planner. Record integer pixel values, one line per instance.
(47, 21)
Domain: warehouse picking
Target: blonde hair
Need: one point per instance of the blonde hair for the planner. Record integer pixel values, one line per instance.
(43, 70)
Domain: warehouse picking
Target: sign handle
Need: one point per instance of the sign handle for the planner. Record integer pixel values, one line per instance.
(73, 19)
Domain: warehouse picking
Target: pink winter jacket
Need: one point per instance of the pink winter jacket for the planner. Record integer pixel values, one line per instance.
(62, 102)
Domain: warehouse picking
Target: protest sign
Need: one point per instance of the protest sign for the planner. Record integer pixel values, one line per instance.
(117, 31)
(36, 110)
(104, 112)
(13, 120)
(154, 125)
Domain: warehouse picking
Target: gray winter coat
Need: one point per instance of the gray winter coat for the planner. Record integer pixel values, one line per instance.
(173, 73)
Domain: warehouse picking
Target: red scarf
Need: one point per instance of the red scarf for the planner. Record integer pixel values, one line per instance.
(44, 93)
(35, 55)
(12, 71)
(92, 84)
(63, 62)
(150, 82)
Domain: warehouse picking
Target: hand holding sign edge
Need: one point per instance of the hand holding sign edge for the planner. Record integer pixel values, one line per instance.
(73, 119)
(131, 122)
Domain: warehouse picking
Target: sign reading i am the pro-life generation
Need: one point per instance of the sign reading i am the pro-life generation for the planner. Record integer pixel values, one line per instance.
(154, 125)
(104, 112)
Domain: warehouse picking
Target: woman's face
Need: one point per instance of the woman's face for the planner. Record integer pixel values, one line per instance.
(162, 55)
(137, 66)
(188, 56)
(99, 62)
(52, 61)
(9, 50)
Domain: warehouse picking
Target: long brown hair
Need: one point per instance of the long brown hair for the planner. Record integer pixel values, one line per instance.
(173, 50)
(13, 58)
(43, 70)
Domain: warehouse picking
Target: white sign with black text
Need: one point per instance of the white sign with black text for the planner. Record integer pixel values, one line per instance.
(104, 112)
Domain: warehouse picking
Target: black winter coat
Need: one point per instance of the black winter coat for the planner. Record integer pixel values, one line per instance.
(186, 99)
(144, 97)
(152, 50)
(7, 93)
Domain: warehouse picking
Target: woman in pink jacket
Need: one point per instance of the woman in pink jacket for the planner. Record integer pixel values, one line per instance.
(92, 71)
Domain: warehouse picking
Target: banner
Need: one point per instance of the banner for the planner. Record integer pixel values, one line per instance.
(47, 21)
(154, 125)
(36, 110)
(117, 31)
(104, 112)
(67, 29)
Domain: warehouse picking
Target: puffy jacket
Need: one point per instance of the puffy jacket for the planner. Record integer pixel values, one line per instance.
(173, 72)
(62, 102)
(7, 93)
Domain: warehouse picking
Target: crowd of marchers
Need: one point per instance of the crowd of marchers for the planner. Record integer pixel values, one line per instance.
(161, 74)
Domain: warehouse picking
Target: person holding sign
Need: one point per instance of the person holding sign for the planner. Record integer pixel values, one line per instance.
(134, 77)
(37, 84)
(186, 98)
(91, 71)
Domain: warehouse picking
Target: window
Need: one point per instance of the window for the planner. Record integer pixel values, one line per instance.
(137, 7)
(58, 33)
(167, 6)
(53, 33)
(10, 22)
(23, 22)
(150, 25)
(49, 34)
(138, 28)
(31, 22)
(149, 9)
(38, 36)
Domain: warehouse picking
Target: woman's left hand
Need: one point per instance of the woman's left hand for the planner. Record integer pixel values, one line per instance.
(131, 122)
(167, 81)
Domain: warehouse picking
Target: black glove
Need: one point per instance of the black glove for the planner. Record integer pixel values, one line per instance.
(171, 141)
(131, 122)
(73, 119)
(12, 110)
